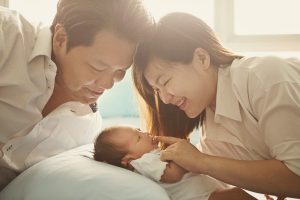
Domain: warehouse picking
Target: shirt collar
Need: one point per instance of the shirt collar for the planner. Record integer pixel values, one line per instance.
(72, 107)
(43, 44)
(227, 104)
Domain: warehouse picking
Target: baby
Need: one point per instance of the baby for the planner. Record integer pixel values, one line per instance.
(136, 150)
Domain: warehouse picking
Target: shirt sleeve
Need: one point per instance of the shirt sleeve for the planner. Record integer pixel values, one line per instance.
(278, 113)
(193, 186)
(14, 29)
(61, 130)
(7, 34)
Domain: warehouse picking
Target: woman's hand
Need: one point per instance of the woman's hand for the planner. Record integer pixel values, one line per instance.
(182, 153)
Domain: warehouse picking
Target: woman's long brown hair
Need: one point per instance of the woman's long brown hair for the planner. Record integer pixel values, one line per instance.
(174, 40)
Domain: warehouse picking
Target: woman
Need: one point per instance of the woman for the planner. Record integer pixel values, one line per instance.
(249, 108)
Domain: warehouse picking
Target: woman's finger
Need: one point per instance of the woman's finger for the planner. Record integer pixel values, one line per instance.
(166, 156)
(167, 140)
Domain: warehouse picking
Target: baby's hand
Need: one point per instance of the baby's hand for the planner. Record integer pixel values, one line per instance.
(161, 145)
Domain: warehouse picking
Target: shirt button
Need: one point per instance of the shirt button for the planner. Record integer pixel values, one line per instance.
(9, 148)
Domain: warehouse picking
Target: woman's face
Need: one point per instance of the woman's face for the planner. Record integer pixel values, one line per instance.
(191, 87)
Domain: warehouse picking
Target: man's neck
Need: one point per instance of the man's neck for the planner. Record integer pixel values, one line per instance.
(58, 97)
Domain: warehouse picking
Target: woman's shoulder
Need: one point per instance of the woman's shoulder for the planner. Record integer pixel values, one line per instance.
(269, 70)
(257, 63)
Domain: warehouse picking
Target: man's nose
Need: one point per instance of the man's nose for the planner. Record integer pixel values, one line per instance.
(106, 82)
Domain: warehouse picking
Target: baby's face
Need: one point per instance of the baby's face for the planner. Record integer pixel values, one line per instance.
(135, 141)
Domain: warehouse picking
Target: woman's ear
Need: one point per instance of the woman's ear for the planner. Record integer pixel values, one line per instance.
(201, 58)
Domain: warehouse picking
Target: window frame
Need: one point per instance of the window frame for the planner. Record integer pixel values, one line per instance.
(224, 26)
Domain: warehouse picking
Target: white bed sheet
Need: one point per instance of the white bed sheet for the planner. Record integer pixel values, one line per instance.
(72, 176)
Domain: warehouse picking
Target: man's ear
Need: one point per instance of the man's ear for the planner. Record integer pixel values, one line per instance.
(59, 36)
(201, 58)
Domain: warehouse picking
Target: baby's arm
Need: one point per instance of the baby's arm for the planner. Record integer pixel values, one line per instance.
(231, 193)
(173, 173)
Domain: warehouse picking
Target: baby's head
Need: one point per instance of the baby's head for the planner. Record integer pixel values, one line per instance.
(118, 145)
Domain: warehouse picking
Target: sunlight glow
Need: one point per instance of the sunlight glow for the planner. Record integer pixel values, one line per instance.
(266, 17)
(200, 8)
(44, 10)
(36, 10)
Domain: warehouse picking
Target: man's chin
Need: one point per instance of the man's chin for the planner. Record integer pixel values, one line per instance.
(88, 100)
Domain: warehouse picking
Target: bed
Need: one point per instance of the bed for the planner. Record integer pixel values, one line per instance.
(73, 175)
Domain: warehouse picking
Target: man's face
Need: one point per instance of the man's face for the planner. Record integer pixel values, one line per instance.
(85, 72)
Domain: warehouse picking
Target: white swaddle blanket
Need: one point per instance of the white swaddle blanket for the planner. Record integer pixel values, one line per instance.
(190, 187)
(150, 165)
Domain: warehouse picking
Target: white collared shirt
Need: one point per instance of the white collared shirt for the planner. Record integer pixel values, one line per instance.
(27, 77)
(257, 112)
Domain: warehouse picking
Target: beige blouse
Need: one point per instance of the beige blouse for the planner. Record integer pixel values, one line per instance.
(257, 112)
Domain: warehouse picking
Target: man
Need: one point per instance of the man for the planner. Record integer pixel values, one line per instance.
(49, 77)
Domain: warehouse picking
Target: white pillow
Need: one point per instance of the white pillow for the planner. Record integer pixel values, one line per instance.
(73, 176)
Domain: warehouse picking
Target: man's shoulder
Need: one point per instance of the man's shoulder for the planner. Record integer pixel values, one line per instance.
(12, 21)
(17, 35)
(8, 16)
